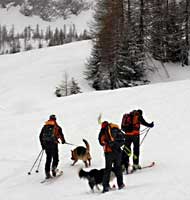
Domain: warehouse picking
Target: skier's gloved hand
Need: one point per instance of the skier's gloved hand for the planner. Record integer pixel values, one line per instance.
(152, 125)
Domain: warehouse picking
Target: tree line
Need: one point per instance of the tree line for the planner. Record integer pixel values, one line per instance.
(48, 10)
(12, 42)
(126, 33)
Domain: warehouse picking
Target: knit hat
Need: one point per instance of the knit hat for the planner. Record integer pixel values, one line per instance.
(104, 124)
(140, 112)
(52, 117)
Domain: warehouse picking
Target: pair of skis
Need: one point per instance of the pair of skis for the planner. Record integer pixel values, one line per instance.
(60, 173)
(53, 178)
(143, 167)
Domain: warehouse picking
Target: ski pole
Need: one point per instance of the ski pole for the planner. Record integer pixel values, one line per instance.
(128, 152)
(37, 170)
(144, 136)
(35, 162)
(143, 131)
(70, 144)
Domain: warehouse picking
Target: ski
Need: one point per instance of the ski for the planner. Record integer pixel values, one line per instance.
(113, 188)
(142, 167)
(53, 178)
(148, 166)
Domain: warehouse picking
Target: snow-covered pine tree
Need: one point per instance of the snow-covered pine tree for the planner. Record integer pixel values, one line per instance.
(187, 23)
(102, 67)
(118, 54)
(166, 32)
(136, 50)
(62, 89)
(174, 33)
(184, 13)
(74, 87)
(92, 73)
(157, 35)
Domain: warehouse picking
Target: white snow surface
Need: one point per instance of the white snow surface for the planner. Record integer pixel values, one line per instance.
(27, 85)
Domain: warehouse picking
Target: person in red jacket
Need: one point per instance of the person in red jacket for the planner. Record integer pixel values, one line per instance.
(50, 135)
(112, 152)
(133, 137)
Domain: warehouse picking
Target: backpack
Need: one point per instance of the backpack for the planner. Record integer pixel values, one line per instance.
(48, 133)
(117, 135)
(129, 120)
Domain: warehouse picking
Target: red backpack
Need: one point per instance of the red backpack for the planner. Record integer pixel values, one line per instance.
(129, 120)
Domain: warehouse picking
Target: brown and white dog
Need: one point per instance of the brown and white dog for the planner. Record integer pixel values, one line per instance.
(82, 153)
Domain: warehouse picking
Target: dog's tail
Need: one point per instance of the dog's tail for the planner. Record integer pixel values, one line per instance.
(87, 144)
(83, 174)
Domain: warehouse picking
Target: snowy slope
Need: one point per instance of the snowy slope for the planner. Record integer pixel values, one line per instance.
(26, 100)
(47, 67)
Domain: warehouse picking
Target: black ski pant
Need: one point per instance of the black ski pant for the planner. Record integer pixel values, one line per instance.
(127, 152)
(52, 157)
(113, 162)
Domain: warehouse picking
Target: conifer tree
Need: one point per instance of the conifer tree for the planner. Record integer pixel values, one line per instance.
(63, 88)
(107, 32)
(174, 32)
(157, 31)
(74, 87)
(118, 55)
(187, 23)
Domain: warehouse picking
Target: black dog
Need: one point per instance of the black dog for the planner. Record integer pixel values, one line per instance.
(94, 177)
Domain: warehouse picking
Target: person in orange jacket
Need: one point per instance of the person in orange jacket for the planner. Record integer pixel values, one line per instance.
(133, 137)
(112, 152)
(49, 137)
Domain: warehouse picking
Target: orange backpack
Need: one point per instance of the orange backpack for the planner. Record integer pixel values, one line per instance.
(130, 121)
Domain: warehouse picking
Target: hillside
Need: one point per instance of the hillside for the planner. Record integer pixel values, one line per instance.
(47, 68)
(27, 83)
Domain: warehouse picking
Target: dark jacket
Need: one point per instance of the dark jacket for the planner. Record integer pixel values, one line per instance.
(57, 133)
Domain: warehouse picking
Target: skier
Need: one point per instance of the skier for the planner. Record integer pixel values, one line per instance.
(50, 135)
(112, 151)
(133, 137)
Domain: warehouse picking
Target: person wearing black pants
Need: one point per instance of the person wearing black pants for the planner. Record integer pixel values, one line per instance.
(135, 140)
(112, 154)
(49, 139)
(113, 163)
(51, 154)
(133, 137)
